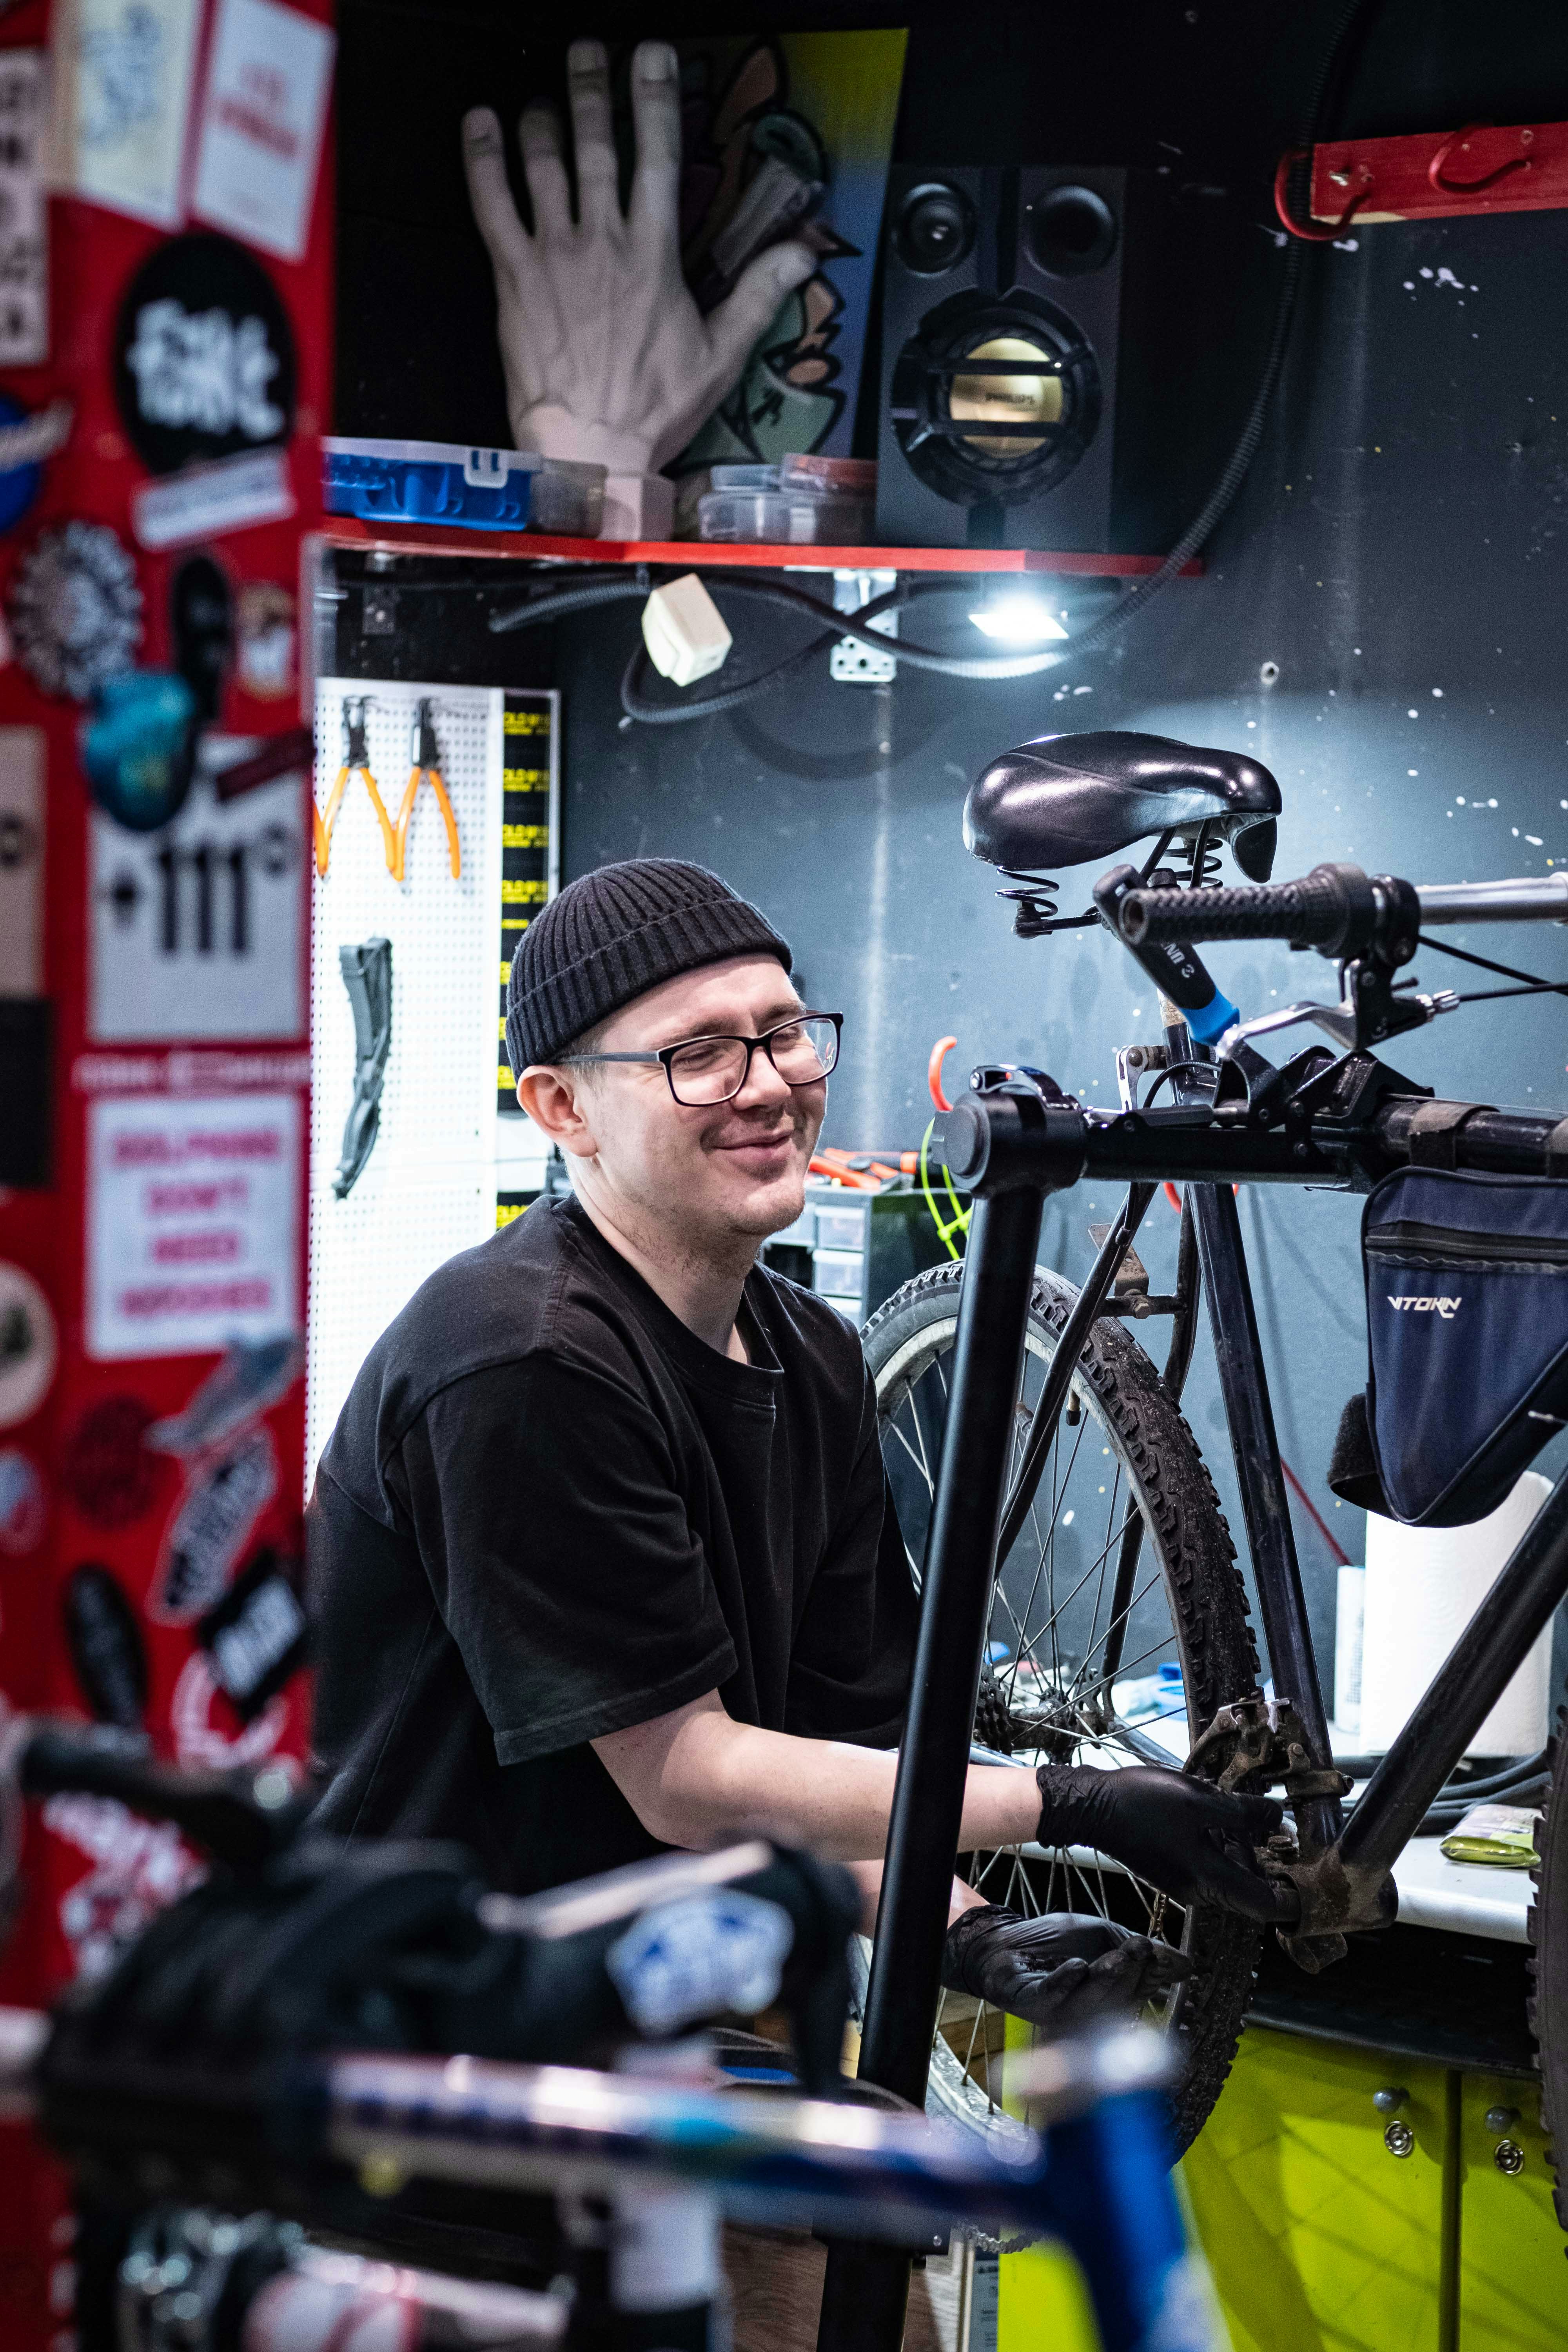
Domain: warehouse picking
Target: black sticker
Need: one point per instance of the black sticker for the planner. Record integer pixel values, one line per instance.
(258, 1636)
(106, 1646)
(212, 1527)
(201, 624)
(204, 359)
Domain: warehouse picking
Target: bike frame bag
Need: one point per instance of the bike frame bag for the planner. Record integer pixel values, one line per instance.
(1467, 1311)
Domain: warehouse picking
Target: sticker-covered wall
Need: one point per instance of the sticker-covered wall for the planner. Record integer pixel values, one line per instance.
(164, 349)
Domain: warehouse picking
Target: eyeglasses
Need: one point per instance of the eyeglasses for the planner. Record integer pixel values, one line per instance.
(707, 1070)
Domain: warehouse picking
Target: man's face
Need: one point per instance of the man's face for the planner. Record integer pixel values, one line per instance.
(712, 1173)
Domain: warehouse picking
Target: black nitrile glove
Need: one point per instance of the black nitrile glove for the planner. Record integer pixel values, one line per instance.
(1063, 1970)
(1195, 1841)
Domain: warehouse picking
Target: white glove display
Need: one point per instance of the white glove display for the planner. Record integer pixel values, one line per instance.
(606, 356)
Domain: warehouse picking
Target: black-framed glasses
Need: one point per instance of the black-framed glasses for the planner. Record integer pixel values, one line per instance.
(702, 1071)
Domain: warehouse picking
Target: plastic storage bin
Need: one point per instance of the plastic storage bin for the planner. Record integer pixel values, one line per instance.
(781, 519)
(478, 489)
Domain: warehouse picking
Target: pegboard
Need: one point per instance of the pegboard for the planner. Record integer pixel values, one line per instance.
(429, 1188)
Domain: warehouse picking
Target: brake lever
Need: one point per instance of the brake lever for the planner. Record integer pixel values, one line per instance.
(1343, 1021)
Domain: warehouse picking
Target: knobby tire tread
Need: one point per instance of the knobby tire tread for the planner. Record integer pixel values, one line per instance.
(1208, 1605)
(1547, 1926)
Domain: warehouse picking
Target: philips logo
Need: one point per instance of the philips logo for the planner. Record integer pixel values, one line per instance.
(1410, 1305)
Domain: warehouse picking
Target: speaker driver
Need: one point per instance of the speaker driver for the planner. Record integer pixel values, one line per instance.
(1070, 233)
(995, 402)
(936, 228)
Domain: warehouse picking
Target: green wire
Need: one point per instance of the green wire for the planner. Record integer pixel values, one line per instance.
(946, 1226)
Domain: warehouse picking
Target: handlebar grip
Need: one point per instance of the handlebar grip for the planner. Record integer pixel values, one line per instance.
(1308, 914)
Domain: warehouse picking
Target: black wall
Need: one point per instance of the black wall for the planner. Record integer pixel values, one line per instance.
(1399, 552)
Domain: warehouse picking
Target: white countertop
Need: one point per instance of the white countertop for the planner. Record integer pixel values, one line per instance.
(1472, 1898)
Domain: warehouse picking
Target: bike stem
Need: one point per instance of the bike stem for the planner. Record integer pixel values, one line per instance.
(866, 2287)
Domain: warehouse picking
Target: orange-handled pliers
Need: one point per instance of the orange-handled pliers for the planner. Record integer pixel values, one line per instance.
(356, 762)
(426, 754)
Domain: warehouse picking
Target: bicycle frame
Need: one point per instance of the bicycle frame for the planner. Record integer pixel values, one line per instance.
(1009, 1145)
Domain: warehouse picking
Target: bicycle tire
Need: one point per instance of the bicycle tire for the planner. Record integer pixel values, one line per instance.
(1547, 1928)
(1120, 1387)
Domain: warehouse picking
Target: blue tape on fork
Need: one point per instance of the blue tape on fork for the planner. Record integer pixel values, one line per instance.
(1210, 1021)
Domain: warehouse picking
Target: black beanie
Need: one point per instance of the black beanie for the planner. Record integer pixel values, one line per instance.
(613, 934)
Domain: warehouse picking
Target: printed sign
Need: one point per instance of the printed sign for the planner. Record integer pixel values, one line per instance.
(204, 359)
(262, 124)
(193, 1223)
(198, 930)
(122, 101)
(23, 212)
(21, 861)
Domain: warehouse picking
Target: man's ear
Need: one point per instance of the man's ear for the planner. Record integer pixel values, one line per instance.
(557, 1105)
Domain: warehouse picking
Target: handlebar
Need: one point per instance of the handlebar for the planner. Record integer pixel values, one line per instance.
(1328, 908)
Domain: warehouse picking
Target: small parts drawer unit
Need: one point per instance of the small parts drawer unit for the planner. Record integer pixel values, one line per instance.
(855, 1249)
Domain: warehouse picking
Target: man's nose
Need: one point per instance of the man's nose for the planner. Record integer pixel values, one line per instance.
(763, 1085)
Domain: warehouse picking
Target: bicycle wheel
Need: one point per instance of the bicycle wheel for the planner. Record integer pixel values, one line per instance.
(1548, 1928)
(1123, 1453)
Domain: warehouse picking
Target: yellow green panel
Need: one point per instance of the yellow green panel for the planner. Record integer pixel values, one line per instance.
(1043, 2304)
(1317, 2239)
(1513, 2274)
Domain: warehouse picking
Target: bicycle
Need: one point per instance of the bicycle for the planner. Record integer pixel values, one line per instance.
(1116, 1625)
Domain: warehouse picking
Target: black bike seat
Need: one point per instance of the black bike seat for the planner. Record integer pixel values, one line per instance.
(1068, 800)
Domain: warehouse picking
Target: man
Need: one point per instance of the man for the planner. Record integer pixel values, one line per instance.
(603, 1558)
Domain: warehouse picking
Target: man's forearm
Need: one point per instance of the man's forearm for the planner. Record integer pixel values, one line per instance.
(697, 1777)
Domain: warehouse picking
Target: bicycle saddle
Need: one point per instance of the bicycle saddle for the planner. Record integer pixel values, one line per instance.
(1070, 799)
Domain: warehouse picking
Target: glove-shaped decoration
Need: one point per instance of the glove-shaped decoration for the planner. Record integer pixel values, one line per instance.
(1196, 1842)
(606, 355)
(1061, 1972)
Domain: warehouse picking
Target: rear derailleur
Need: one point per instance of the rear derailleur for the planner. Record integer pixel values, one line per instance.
(1257, 1744)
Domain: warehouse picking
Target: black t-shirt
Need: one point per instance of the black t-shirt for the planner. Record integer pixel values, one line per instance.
(549, 1511)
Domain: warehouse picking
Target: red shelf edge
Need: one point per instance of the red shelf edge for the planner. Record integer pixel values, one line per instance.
(428, 539)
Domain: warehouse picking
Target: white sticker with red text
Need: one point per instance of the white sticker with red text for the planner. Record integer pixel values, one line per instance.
(263, 120)
(194, 1223)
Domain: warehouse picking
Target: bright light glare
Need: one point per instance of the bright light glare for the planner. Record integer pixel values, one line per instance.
(1018, 621)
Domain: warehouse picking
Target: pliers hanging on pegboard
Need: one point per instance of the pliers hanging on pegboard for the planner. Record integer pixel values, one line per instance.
(425, 753)
(356, 762)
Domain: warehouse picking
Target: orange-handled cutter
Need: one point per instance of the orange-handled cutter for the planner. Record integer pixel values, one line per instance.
(426, 754)
(356, 762)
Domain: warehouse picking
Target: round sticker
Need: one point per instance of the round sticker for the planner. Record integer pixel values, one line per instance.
(106, 1472)
(28, 1347)
(23, 1505)
(204, 361)
(76, 610)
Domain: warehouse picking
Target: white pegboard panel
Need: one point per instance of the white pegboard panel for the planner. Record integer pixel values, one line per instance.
(368, 1256)
(429, 1187)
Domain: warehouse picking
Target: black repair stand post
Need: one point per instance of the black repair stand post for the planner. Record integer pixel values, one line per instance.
(866, 2286)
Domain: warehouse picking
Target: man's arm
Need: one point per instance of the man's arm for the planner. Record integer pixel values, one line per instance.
(694, 1777)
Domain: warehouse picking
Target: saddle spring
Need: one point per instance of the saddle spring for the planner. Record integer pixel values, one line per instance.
(1035, 914)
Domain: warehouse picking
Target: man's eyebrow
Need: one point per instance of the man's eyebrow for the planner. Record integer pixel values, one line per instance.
(766, 1021)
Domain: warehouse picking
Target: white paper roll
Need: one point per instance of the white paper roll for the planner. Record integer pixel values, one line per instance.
(1423, 1587)
(1350, 1612)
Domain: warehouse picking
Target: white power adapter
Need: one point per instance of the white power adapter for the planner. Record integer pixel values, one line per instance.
(684, 632)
